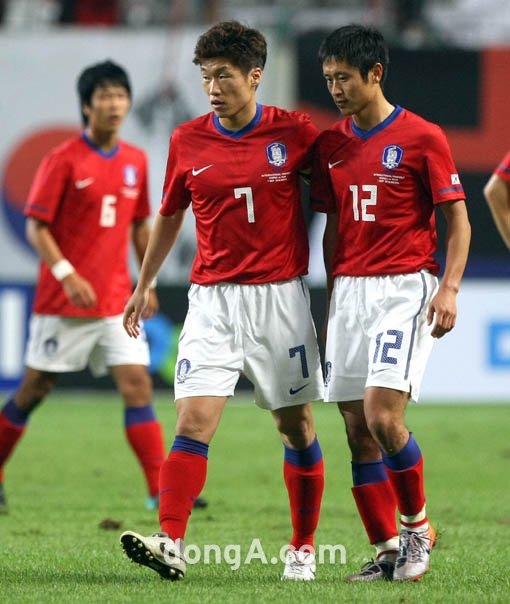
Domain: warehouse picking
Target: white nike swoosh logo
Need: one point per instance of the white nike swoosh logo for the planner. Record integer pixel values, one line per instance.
(81, 184)
(200, 170)
(335, 163)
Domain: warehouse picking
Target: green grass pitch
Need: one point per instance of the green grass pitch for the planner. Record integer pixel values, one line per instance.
(74, 469)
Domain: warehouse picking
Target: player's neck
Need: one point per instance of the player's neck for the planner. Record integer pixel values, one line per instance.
(240, 119)
(373, 114)
(106, 141)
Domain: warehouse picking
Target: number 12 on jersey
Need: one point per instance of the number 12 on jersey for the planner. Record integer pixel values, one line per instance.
(364, 202)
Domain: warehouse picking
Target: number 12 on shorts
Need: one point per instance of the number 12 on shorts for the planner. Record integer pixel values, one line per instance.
(383, 349)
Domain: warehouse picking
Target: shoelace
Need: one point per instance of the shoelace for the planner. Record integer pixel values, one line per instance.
(301, 566)
(416, 545)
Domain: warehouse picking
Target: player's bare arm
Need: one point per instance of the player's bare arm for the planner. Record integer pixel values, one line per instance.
(163, 235)
(140, 236)
(328, 251)
(497, 195)
(328, 247)
(79, 291)
(443, 307)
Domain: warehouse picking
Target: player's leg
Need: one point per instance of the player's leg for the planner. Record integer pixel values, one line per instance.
(347, 353)
(208, 366)
(399, 348)
(373, 494)
(182, 478)
(184, 471)
(142, 428)
(402, 458)
(15, 413)
(283, 362)
(303, 471)
(127, 360)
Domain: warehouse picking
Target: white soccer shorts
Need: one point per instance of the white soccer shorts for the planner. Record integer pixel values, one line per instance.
(65, 344)
(265, 332)
(378, 334)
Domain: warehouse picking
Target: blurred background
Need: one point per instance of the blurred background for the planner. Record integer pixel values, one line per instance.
(450, 62)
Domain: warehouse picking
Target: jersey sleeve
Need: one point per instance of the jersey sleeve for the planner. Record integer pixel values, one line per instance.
(48, 188)
(308, 135)
(143, 208)
(444, 180)
(175, 195)
(503, 169)
(322, 198)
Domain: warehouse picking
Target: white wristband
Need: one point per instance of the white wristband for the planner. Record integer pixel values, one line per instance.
(153, 284)
(62, 269)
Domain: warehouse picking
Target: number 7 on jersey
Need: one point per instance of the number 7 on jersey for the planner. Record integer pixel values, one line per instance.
(247, 192)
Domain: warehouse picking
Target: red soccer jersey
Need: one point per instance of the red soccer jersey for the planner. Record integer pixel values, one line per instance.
(503, 169)
(90, 199)
(244, 188)
(384, 185)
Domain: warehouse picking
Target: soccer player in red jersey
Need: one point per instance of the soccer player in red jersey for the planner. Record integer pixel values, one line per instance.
(239, 167)
(88, 200)
(497, 195)
(379, 174)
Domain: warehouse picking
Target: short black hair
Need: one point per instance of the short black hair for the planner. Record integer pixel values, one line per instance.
(360, 46)
(246, 48)
(98, 75)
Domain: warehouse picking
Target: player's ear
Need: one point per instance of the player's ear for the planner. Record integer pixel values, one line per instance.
(85, 109)
(255, 76)
(376, 73)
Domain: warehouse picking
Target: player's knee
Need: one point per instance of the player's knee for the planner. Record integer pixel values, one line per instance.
(35, 387)
(135, 388)
(362, 445)
(195, 426)
(381, 427)
(296, 426)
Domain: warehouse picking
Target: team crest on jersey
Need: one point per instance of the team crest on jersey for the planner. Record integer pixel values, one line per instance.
(130, 175)
(276, 154)
(327, 377)
(183, 367)
(392, 156)
(50, 346)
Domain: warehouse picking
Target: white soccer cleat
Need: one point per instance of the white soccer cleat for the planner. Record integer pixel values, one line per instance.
(158, 552)
(299, 566)
(413, 555)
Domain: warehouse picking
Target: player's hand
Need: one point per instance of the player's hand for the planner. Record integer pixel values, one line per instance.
(152, 305)
(443, 312)
(133, 311)
(79, 291)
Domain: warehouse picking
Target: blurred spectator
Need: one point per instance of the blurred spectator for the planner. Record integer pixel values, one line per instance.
(412, 27)
(138, 13)
(90, 12)
(29, 14)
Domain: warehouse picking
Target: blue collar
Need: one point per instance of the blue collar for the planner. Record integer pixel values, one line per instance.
(239, 133)
(366, 134)
(101, 152)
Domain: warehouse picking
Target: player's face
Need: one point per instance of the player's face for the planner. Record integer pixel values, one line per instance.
(231, 92)
(350, 92)
(108, 107)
